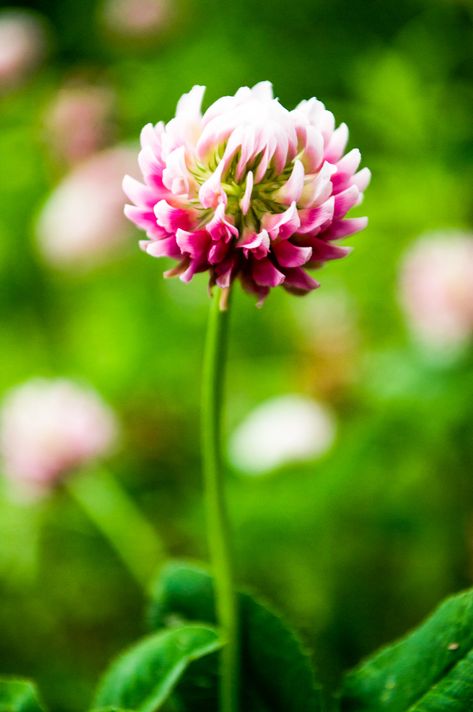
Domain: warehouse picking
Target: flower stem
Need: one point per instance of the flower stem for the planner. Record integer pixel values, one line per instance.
(115, 514)
(218, 529)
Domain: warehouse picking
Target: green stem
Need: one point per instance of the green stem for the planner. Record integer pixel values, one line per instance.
(116, 515)
(217, 518)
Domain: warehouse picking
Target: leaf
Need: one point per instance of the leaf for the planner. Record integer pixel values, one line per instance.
(277, 671)
(19, 696)
(143, 677)
(430, 670)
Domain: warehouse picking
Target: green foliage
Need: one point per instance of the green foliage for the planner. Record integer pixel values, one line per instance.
(277, 671)
(19, 696)
(430, 670)
(142, 678)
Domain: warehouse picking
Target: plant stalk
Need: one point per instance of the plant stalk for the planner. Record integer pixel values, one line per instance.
(218, 529)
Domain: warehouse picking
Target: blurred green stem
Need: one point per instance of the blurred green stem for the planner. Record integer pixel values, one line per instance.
(115, 514)
(217, 517)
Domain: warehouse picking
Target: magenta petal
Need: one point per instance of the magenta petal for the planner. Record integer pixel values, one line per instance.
(220, 227)
(283, 225)
(225, 272)
(289, 255)
(299, 281)
(138, 193)
(362, 179)
(313, 219)
(342, 228)
(195, 244)
(218, 251)
(265, 273)
(172, 218)
(161, 248)
(336, 144)
(345, 200)
(323, 251)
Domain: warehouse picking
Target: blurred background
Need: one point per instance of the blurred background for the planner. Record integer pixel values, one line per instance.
(362, 519)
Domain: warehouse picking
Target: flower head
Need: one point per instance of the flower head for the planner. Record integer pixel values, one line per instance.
(437, 289)
(247, 190)
(50, 427)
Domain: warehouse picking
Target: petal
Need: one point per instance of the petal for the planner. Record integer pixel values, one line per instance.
(289, 255)
(282, 225)
(171, 218)
(166, 247)
(176, 176)
(291, 191)
(336, 144)
(256, 244)
(220, 227)
(314, 219)
(266, 274)
(342, 228)
(313, 150)
(245, 201)
(299, 282)
(362, 179)
(195, 244)
(137, 192)
(323, 251)
(345, 200)
(211, 192)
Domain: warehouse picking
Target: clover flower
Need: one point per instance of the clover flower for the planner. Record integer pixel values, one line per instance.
(437, 289)
(79, 121)
(281, 430)
(89, 201)
(247, 190)
(51, 427)
(23, 45)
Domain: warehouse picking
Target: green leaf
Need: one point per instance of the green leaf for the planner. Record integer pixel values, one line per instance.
(277, 671)
(430, 670)
(142, 678)
(19, 696)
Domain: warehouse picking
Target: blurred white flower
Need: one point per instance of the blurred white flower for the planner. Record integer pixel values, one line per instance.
(436, 289)
(79, 121)
(49, 428)
(82, 222)
(282, 430)
(23, 44)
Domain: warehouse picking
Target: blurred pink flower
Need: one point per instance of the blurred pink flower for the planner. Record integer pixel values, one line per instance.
(23, 44)
(82, 221)
(137, 18)
(437, 289)
(50, 427)
(248, 190)
(79, 122)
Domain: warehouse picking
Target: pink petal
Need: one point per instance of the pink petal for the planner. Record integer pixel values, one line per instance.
(137, 192)
(211, 192)
(314, 150)
(265, 273)
(220, 228)
(245, 201)
(342, 228)
(323, 251)
(172, 218)
(176, 176)
(291, 191)
(345, 200)
(257, 244)
(218, 252)
(225, 272)
(289, 255)
(166, 247)
(283, 225)
(313, 219)
(195, 244)
(299, 282)
(336, 144)
(362, 179)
